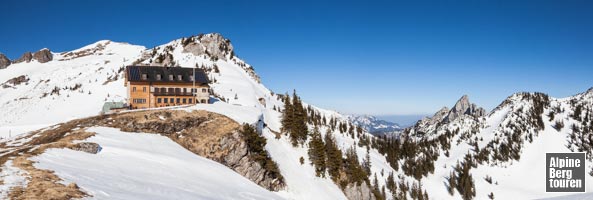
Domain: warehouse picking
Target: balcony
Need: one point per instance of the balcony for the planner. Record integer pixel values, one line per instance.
(179, 93)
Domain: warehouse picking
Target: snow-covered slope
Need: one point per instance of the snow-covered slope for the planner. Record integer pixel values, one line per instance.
(509, 145)
(147, 166)
(73, 85)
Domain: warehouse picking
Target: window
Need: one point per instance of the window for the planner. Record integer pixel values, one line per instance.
(171, 90)
(179, 77)
(204, 90)
(158, 100)
(143, 89)
(170, 77)
(184, 90)
(158, 77)
(144, 76)
(164, 90)
(172, 100)
(178, 100)
(191, 101)
(133, 89)
(184, 100)
(139, 101)
(166, 100)
(203, 100)
(177, 90)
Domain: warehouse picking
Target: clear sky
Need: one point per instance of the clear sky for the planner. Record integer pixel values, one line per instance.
(374, 57)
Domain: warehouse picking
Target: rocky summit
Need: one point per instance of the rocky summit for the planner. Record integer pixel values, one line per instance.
(464, 107)
(43, 56)
(4, 61)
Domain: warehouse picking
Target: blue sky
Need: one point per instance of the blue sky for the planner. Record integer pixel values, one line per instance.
(374, 57)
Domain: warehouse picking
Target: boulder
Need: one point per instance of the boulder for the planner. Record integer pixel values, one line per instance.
(4, 61)
(26, 57)
(43, 56)
(89, 147)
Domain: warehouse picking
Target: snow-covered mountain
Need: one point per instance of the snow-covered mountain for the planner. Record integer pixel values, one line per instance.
(505, 147)
(373, 125)
(169, 153)
(74, 85)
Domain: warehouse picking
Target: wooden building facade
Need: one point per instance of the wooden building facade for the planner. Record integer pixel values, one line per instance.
(156, 86)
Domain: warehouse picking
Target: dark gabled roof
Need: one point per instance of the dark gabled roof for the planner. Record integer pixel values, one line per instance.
(134, 73)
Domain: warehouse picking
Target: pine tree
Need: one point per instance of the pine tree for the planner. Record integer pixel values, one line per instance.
(451, 183)
(256, 150)
(465, 182)
(294, 120)
(300, 120)
(391, 183)
(353, 169)
(366, 163)
(317, 153)
(334, 156)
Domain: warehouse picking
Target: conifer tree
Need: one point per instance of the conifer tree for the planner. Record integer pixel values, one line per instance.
(300, 129)
(353, 169)
(391, 183)
(317, 153)
(333, 155)
(366, 163)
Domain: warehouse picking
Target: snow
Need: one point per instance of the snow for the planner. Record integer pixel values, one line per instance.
(11, 177)
(9, 131)
(25, 105)
(585, 196)
(146, 166)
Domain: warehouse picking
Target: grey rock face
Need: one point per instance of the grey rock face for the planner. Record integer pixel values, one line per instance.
(464, 107)
(359, 192)
(26, 57)
(439, 115)
(89, 147)
(213, 45)
(4, 61)
(238, 160)
(43, 56)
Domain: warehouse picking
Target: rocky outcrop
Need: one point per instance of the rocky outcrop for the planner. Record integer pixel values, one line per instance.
(43, 56)
(89, 147)
(207, 134)
(359, 192)
(4, 61)
(239, 160)
(213, 45)
(464, 107)
(26, 57)
(15, 81)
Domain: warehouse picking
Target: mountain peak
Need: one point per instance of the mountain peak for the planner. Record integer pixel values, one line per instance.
(464, 107)
(4, 61)
(212, 44)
